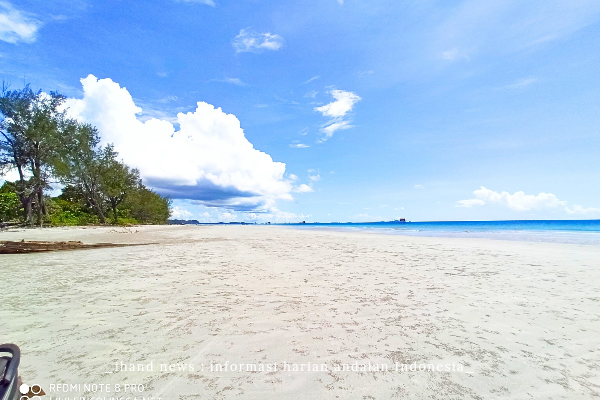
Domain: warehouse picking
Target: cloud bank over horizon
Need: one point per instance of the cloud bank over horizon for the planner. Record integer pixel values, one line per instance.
(519, 201)
(208, 159)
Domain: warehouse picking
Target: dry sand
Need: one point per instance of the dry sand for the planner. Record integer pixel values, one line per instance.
(522, 318)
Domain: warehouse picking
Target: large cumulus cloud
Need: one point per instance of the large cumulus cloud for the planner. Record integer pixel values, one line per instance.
(208, 159)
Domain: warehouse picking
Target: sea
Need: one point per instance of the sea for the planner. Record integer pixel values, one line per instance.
(586, 232)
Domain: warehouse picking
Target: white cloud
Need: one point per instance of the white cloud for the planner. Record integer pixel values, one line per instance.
(207, 2)
(519, 201)
(59, 17)
(470, 203)
(453, 54)
(249, 40)
(314, 78)
(274, 216)
(283, 216)
(450, 54)
(299, 145)
(235, 81)
(419, 187)
(218, 214)
(337, 111)
(475, 28)
(227, 216)
(343, 104)
(304, 188)
(521, 83)
(315, 178)
(168, 99)
(15, 26)
(329, 129)
(180, 213)
(286, 101)
(208, 159)
(366, 218)
(11, 175)
(577, 209)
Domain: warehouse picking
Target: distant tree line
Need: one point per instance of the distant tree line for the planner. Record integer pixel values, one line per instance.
(43, 145)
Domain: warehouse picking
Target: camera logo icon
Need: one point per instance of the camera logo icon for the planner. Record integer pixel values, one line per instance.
(33, 392)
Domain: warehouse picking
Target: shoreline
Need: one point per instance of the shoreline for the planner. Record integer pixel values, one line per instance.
(453, 235)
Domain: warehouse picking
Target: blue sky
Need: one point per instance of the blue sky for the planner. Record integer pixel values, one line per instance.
(351, 110)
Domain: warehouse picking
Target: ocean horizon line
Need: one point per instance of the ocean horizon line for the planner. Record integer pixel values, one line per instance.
(436, 221)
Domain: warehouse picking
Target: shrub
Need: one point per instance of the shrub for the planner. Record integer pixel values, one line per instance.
(10, 207)
(68, 213)
(127, 221)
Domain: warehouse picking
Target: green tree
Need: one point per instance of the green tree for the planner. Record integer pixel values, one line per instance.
(39, 142)
(80, 166)
(30, 125)
(148, 207)
(94, 175)
(117, 180)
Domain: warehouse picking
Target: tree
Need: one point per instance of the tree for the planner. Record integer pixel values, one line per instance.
(148, 207)
(117, 179)
(80, 165)
(94, 173)
(39, 142)
(29, 140)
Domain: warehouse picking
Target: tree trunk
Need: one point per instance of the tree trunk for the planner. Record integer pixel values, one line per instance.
(27, 210)
(100, 215)
(116, 218)
(44, 208)
(25, 200)
(98, 211)
(91, 199)
(40, 207)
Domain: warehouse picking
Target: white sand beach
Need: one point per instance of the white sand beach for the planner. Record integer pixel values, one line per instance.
(522, 319)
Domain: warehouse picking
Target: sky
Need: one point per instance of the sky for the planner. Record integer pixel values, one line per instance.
(331, 110)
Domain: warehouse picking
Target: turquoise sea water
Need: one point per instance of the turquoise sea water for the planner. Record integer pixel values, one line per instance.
(554, 231)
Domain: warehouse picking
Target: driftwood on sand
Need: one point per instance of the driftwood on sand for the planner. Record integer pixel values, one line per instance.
(11, 247)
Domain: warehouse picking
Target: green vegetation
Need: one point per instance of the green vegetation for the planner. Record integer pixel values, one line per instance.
(43, 145)
(10, 207)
